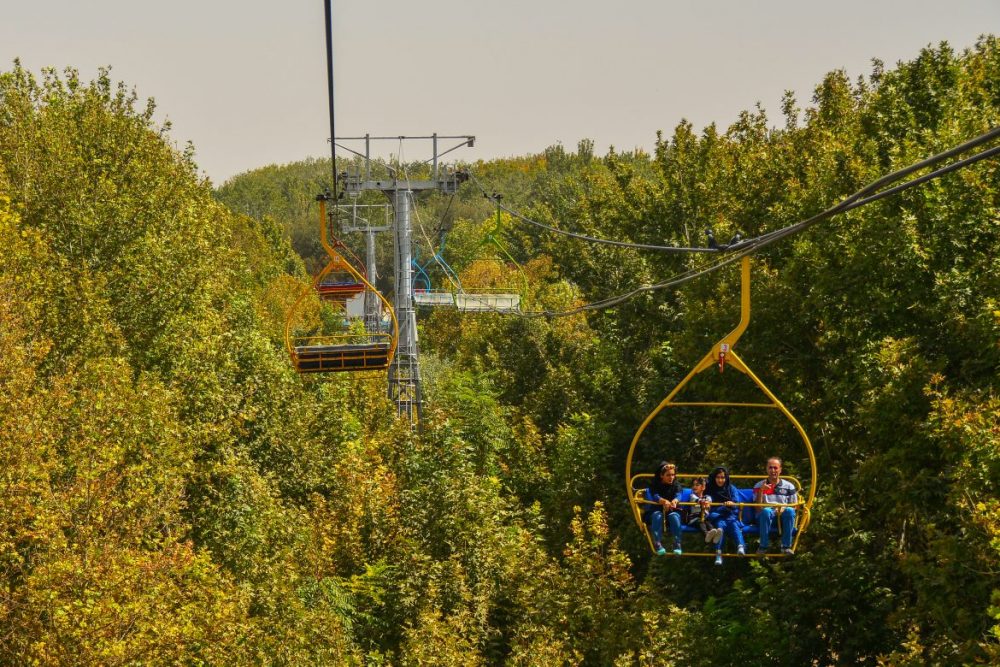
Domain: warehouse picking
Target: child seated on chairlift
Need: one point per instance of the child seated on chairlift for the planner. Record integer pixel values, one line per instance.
(697, 515)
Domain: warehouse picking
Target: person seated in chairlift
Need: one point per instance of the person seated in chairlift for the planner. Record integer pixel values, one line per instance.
(697, 515)
(777, 491)
(665, 491)
(727, 514)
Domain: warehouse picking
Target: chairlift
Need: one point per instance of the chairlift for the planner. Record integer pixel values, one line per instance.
(357, 347)
(722, 356)
(472, 298)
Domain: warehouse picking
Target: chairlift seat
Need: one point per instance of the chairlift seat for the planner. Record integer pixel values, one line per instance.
(748, 516)
(431, 297)
(493, 302)
(331, 358)
(346, 288)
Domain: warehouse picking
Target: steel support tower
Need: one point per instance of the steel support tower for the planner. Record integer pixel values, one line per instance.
(404, 372)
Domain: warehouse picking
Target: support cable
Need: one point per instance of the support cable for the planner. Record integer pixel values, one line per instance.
(854, 202)
(866, 195)
(583, 237)
(845, 205)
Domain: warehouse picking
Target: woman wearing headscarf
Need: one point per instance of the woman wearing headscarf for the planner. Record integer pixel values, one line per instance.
(727, 515)
(665, 491)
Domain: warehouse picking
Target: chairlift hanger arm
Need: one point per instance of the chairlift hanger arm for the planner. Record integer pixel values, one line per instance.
(421, 274)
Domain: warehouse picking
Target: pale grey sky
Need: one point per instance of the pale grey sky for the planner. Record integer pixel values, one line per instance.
(246, 81)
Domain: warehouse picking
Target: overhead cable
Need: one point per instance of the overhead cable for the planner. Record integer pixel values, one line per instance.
(866, 195)
(583, 237)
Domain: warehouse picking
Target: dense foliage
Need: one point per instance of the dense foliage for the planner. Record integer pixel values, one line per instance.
(173, 493)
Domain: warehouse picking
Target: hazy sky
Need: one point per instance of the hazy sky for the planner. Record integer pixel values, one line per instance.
(246, 81)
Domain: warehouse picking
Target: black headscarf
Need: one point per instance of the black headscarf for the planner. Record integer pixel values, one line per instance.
(668, 491)
(720, 494)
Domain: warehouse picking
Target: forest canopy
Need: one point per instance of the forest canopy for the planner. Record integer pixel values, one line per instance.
(172, 492)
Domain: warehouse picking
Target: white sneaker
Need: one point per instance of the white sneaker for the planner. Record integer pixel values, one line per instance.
(709, 534)
(741, 550)
(718, 536)
(718, 559)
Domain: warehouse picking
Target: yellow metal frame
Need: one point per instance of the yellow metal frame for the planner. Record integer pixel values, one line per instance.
(339, 263)
(732, 360)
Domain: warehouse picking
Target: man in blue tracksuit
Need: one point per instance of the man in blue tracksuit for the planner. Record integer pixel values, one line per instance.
(776, 491)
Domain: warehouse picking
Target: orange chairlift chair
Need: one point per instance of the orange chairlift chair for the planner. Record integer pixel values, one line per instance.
(339, 287)
(356, 348)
